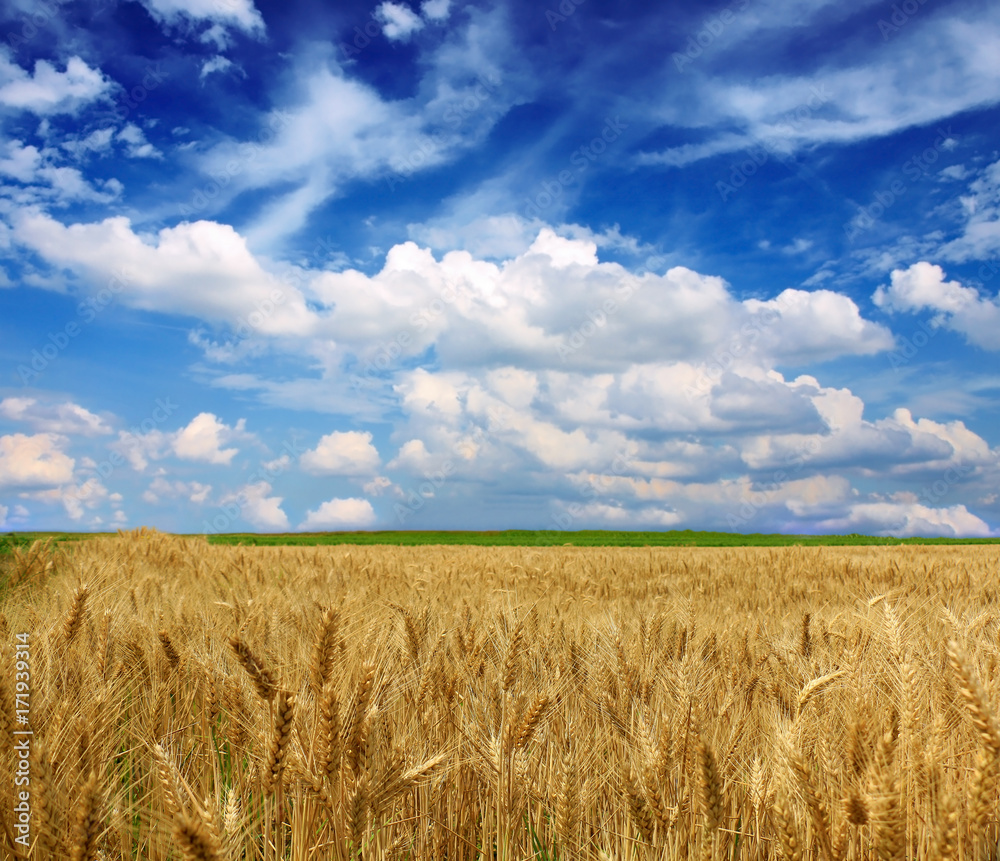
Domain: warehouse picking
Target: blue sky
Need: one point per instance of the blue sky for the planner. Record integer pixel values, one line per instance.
(276, 266)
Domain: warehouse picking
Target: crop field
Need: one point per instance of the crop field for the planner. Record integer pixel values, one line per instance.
(205, 701)
(581, 538)
(521, 538)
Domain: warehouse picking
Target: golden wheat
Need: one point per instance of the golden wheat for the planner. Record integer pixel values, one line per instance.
(207, 702)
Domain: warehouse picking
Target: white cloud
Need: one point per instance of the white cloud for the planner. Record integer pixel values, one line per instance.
(980, 239)
(235, 14)
(12, 518)
(217, 63)
(98, 141)
(564, 252)
(203, 438)
(553, 306)
(399, 22)
(331, 129)
(20, 161)
(61, 418)
(47, 90)
(342, 453)
(954, 171)
(46, 182)
(201, 269)
(797, 246)
(337, 514)
(136, 144)
(484, 236)
(548, 365)
(34, 461)
(673, 350)
(599, 430)
(336, 129)
(138, 449)
(377, 486)
(902, 519)
(79, 499)
(852, 441)
(604, 515)
(944, 66)
(557, 306)
(279, 464)
(67, 184)
(257, 508)
(414, 458)
(435, 10)
(799, 327)
(161, 488)
(922, 287)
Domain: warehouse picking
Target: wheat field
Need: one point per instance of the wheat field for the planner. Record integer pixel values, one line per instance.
(209, 702)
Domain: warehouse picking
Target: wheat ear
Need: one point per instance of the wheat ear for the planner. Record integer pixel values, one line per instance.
(281, 735)
(262, 678)
(87, 824)
(197, 841)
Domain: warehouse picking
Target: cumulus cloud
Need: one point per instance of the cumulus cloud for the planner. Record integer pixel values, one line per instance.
(399, 22)
(656, 437)
(201, 440)
(233, 14)
(547, 365)
(19, 161)
(901, 519)
(922, 287)
(136, 144)
(98, 141)
(57, 418)
(414, 458)
(201, 269)
(342, 453)
(554, 306)
(48, 91)
(557, 306)
(377, 486)
(603, 515)
(162, 488)
(818, 503)
(46, 182)
(83, 497)
(435, 10)
(11, 518)
(851, 441)
(728, 503)
(800, 326)
(337, 514)
(34, 461)
(214, 64)
(258, 508)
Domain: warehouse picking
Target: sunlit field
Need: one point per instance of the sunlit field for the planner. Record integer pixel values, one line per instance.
(202, 701)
